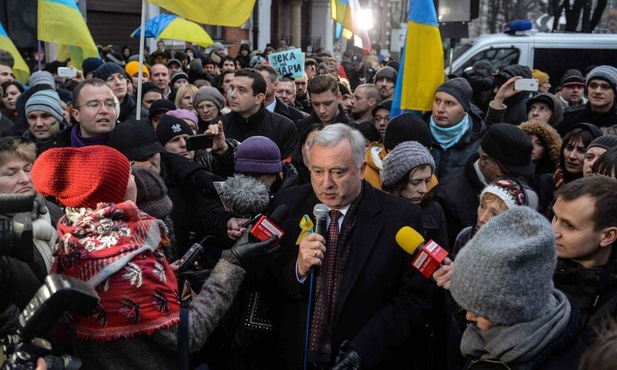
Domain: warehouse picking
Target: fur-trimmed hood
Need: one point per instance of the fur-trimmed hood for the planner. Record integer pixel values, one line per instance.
(550, 140)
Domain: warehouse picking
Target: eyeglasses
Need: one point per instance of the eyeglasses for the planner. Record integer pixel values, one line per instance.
(381, 118)
(96, 105)
(206, 106)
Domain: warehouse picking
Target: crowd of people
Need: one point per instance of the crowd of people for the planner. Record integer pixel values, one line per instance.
(519, 187)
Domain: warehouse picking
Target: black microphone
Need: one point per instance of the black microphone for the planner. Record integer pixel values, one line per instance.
(245, 195)
(320, 211)
(268, 226)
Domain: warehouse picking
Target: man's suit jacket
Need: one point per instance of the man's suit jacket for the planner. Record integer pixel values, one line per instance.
(382, 298)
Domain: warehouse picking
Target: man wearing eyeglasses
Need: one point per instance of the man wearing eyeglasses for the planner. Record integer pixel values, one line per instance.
(94, 110)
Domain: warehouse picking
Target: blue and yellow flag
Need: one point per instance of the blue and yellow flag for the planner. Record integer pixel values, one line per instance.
(344, 13)
(20, 69)
(61, 22)
(421, 67)
(231, 13)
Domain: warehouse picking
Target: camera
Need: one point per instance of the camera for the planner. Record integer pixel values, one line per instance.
(59, 293)
(67, 72)
(16, 226)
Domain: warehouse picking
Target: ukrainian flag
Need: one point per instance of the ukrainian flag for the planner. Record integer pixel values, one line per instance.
(231, 13)
(344, 13)
(20, 69)
(61, 22)
(421, 67)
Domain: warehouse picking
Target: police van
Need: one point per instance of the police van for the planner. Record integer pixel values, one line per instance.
(553, 53)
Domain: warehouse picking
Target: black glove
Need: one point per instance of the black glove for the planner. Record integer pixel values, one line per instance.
(244, 250)
(347, 359)
(196, 276)
(39, 207)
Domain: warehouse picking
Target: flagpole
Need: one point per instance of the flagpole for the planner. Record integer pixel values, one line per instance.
(38, 54)
(140, 74)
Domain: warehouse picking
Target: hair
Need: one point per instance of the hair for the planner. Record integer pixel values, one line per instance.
(18, 148)
(272, 73)
(226, 58)
(333, 134)
(601, 354)
(182, 91)
(6, 84)
(577, 133)
(95, 82)
(369, 131)
(606, 164)
(287, 79)
(6, 58)
(200, 82)
(372, 91)
(259, 83)
(609, 130)
(603, 191)
(322, 83)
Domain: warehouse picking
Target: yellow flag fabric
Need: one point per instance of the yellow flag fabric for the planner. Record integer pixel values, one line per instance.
(20, 69)
(230, 13)
(61, 22)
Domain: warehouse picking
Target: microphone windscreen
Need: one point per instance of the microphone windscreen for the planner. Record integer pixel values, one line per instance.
(245, 195)
(279, 214)
(409, 239)
(320, 210)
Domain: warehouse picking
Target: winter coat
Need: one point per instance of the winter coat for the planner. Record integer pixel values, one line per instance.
(583, 113)
(313, 118)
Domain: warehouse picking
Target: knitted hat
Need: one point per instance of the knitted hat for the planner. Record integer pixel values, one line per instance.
(511, 71)
(512, 192)
(210, 94)
(90, 65)
(484, 65)
(46, 101)
(161, 105)
(173, 61)
(258, 154)
(132, 68)
(386, 72)
(183, 114)
(40, 78)
(135, 139)
(82, 177)
(460, 89)
(604, 141)
(196, 65)
(178, 75)
(386, 104)
(170, 127)
(402, 159)
(572, 77)
(217, 46)
(151, 193)
(407, 127)
(108, 69)
(509, 145)
(149, 86)
(604, 73)
(542, 77)
(209, 61)
(505, 272)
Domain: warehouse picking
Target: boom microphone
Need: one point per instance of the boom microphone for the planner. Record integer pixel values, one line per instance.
(320, 211)
(428, 257)
(266, 227)
(245, 195)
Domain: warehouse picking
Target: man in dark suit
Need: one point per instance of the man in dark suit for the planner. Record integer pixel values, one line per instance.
(368, 300)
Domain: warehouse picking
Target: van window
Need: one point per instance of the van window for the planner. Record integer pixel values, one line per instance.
(499, 57)
(556, 62)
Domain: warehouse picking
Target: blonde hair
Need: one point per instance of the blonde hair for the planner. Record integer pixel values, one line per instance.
(182, 91)
(19, 148)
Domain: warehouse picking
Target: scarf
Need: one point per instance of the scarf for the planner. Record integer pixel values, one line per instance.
(520, 344)
(447, 137)
(116, 249)
(126, 108)
(79, 141)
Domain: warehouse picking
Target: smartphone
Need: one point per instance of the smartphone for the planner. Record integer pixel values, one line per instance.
(526, 84)
(190, 257)
(67, 72)
(197, 142)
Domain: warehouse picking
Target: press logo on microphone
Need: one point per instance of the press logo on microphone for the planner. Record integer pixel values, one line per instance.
(264, 229)
(429, 258)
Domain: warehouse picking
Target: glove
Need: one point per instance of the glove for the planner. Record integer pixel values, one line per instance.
(39, 207)
(347, 359)
(196, 277)
(244, 250)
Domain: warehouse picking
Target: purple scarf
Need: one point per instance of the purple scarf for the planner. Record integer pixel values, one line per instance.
(77, 141)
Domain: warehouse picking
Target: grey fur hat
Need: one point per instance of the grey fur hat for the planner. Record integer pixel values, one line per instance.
(505, 272)
(404, 157)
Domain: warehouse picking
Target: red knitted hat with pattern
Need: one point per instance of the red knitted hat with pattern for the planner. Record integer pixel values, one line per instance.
(82, 177)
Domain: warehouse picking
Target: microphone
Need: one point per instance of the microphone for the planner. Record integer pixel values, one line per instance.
(320, 211)
(428, 257)
(266, 227)
(244, 195)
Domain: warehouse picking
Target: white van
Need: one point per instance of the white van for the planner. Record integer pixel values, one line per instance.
(553, 53)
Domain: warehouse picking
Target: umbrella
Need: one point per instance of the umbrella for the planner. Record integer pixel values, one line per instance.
(169, 26)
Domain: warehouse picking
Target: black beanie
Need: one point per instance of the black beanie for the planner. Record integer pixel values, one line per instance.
(406, 127)
(107, 69)
(460, 89)
(170, 127)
